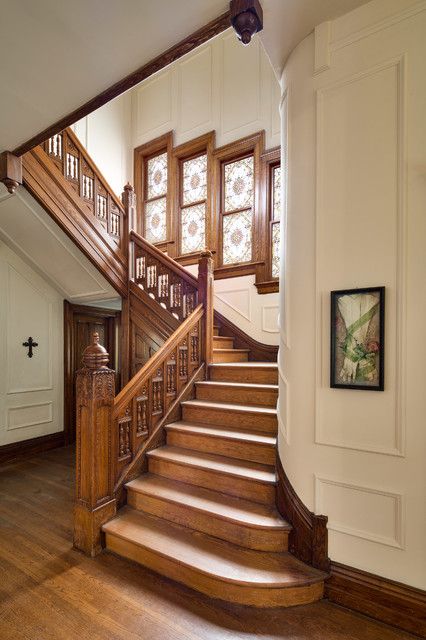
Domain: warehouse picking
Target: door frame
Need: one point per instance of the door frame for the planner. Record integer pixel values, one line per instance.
(113, 326)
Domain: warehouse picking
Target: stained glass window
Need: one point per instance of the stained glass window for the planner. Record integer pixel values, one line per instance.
(276, 193)
(194, 180)
(193, 228)
(156, 220)
(237, 237)
(239, 184)
(276, 250)
(157, 176)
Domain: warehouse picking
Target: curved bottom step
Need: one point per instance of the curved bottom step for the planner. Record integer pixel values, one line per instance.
(211, 566)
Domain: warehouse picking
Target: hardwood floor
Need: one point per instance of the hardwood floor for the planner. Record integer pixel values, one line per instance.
(48, 591)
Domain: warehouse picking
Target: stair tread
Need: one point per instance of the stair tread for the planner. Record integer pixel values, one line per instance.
(230, 350)
(252, 365)
(254, 386)
(237, 510)
(222, 432)
(210, 556)
(241, 468)
(227, 406)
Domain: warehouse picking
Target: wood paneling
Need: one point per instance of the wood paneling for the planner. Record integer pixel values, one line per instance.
(388, 601)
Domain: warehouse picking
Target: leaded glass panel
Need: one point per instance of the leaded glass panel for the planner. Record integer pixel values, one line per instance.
(276, 193)
(276, 250)
(239, 184)
(237, 237)
(193, 228)
(155, 220)
(195, 180)
(157, 176)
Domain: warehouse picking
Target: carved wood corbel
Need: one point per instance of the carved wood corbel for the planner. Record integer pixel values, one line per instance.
(10, 171)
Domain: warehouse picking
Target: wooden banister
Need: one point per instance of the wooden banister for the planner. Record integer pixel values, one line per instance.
(83, 175)
(171, 285)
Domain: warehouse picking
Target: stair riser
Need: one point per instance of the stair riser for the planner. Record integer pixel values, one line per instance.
(237, 396)
(243, 374)
(242, 535)
(223, 342)
(252, 451)
(214, 587)
(240, 487)
(261, 423)
(231, 356)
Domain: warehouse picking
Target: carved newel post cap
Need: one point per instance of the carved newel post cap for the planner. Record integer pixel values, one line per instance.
(95, 356)
(128, 187)
(206, 254)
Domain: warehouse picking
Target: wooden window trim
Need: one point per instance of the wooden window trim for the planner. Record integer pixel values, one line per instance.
(162, 144)
(204, 144)
(266, 283)
(253, 144)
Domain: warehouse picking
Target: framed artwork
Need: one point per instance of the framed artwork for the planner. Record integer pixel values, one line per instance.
(357, 339)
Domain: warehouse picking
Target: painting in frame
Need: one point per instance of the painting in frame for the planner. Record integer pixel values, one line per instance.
(357, 339)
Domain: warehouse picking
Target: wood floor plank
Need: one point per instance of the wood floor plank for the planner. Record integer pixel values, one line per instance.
(48, 591)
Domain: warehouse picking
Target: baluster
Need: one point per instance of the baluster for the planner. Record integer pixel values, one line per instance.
(142, 413)
(94, 502)
(124, 430)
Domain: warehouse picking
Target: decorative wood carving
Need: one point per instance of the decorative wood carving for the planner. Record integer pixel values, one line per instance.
(10, 171)
(246, 18)
(308, 539)
(95, 502)
(383, 599)
(44, 179)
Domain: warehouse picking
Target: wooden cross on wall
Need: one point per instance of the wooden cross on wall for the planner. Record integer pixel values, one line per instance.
(30, 344)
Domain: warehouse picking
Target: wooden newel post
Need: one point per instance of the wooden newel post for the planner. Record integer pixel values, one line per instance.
(205, 296)
(128, 198)
(94, 501)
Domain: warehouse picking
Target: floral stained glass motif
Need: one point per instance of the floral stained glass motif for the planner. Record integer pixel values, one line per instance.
(193, 228)
(155, 220)
(276, 193)
(157, 176)
(276, 250)
(239, 184)
(237, 237)
(194, 180)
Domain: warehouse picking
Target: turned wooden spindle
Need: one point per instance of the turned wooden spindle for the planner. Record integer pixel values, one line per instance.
(94, 501)
(205, 297)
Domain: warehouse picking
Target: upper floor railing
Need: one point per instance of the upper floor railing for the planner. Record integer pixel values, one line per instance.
(80, 171)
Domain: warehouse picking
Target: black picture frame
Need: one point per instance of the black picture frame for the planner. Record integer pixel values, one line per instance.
(357, 358)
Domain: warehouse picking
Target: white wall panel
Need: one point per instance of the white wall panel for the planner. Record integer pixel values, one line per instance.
(195, 92)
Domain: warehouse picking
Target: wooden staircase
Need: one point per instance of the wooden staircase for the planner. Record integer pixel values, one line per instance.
(204, 514)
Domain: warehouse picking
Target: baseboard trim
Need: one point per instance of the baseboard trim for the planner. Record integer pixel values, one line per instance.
(34, 446)
(390, 602)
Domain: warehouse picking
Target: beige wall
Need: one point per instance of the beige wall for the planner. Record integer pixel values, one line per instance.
(353, 118)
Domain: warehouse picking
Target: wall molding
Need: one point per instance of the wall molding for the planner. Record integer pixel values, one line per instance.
(30, 406)
(220, 297)
(399, 512)
(390, 602)
(398, 448)
(31, 447)
(264, 308)
(371, 29)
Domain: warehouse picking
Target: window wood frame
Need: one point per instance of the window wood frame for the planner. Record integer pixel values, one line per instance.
(250, 145)
(270, 160)
(203, 145)
(143, 153)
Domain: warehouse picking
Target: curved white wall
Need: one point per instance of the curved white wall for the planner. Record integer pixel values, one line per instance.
(353, 108)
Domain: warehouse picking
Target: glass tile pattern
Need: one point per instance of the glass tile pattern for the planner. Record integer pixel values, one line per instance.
(276, 193)
(239, 184)
(276, 250)
(157, 176)
(193, 228)
(194, 180)
(237, 237)
(156, 221)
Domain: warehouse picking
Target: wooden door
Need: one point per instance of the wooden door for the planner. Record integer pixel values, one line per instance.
(80, 324)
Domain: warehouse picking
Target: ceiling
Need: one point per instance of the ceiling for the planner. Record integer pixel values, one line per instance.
(55, 56)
